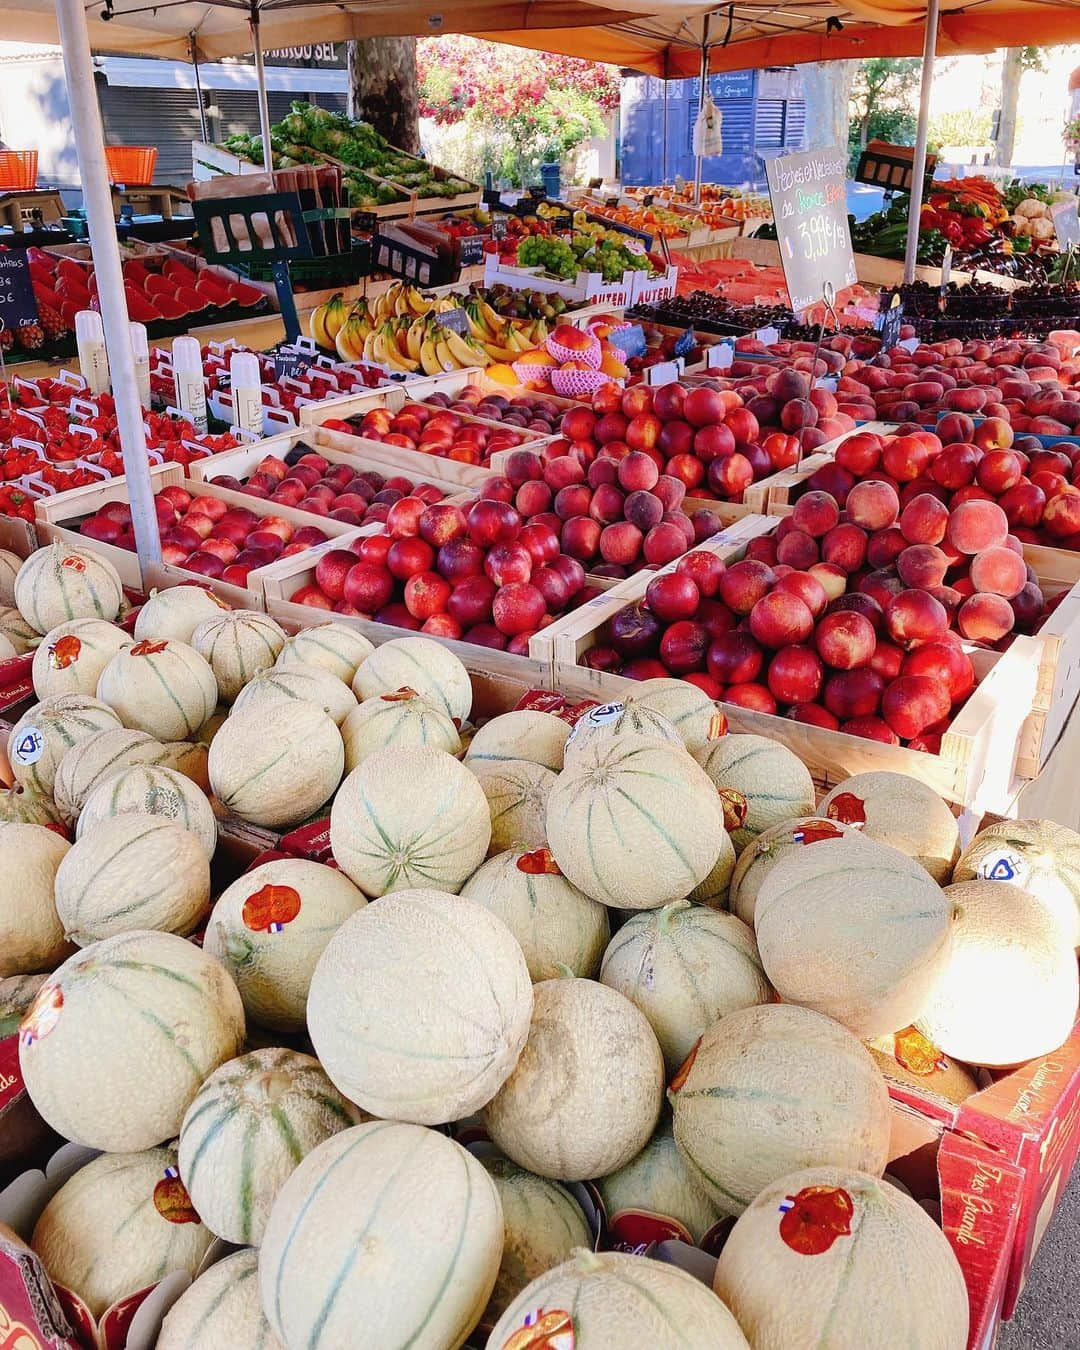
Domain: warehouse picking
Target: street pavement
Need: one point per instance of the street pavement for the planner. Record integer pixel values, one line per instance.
(1048, 1314)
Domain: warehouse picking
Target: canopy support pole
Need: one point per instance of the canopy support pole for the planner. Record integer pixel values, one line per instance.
(663, 167)
(260, 81)
(198, 89)
(918, 169)
(698, 162)
(97, 199)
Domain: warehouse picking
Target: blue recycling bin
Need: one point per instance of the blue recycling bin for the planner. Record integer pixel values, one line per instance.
(549, 175)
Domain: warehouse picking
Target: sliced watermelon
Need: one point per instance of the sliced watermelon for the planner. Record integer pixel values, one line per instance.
(189, 296)
(169, 307)
(244, 294)
(156, 285)
(39, 272)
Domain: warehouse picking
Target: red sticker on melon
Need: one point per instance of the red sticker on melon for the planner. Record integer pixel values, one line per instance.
(539, 863)
(718, 726)
(402, 695)
(148, 648)
(271, 908)
(64, 652)
(918, 1055)
(552, 1330)
(42, 1015)
(74, 563)
(815, 1218)
(736, 808)
(814, 831)
(848, 808)
(172, 1201)
(632, 1230)
(682, 1073)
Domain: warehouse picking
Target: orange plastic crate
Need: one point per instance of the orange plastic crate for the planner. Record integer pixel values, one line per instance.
(131, 163)
(18, 169)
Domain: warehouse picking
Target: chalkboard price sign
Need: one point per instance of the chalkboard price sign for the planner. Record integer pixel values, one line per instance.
(455, 319)
(17, 303)
(498, 227)
(809, 200)
(889, 324)
(472, 249)
(1066, 223)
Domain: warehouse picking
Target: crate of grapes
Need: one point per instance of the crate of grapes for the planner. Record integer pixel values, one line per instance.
(587, 286)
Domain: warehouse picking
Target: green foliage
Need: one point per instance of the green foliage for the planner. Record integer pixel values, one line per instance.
(964, 126)
(883, 96)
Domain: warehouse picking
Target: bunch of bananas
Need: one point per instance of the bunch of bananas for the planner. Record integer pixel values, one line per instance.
(400, 330)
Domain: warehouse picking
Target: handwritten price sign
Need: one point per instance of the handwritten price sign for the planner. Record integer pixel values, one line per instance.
(809, 199)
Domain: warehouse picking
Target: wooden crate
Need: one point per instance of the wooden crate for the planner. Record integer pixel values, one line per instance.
(57, 522)
(975, 769)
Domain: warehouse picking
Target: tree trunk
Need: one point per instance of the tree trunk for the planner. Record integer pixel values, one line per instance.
(383, 88)
(1011, 71)
(827, 90)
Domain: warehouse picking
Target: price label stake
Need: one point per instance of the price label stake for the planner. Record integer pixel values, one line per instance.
(809, 200)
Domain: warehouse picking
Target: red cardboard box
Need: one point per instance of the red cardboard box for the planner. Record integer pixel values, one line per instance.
(1030, 1118)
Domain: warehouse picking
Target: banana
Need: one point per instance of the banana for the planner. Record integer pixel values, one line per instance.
(317, 329)
(335, 313)
(369, 346)
(463, 353)
(497, 353)
(476, 329)
(429, 361)
(490, 318)
(349, 341)
(418, 303)
(391, 356)
(516, 341)
(414, 338)
(444, 355)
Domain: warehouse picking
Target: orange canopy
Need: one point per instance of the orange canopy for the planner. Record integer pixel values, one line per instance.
(753, 34)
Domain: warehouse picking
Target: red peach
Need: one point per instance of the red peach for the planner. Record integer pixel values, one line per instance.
(607, 504)
(637, 472)
(670, 490)
(1023, 504)
(705, 570)
(703, 407)
(518, 608)
(1061, 516)
(883, 585)
(816, 513)
(905, 457)
(845, 640)
(470, 601)
(808, 588)
(754, 697)
(911, 703)
(426, 594)
(956, 466)
(946, 664)
(924, 520)
(1028, 607)
(781, 619)
(533, 497)
(814, 715)
(999, 571)
(885, 546)
(845, 546)
(643, 509)
(673, 596)
(853, 693)
(870, 729)
(922, 565)
(684, 646)
(976, 525)
(873, 505)
(998, 471)
(663, 543)
(913, 616)
(582, 538)
(734, 658)
(743, 585)
(797, 549)
(795, 675)
(859, 454)
(541, 540)
(862, 604)
(887, 661)
(621, 543)
(833, 579)
(368, 586)
(407, 557)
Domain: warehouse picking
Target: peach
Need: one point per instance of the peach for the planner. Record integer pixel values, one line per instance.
(637, 472)
(744, 583)
(860, 603)
(1061, 516)
(734, 658)
(781, 619)
(606, 505)
(977, 525)
(845, 546)
(912, 703)
(816, 513)
(687, 470)
(999, 571)
(956, 465)
(814, 715)
(922, 565)
(643, 509)
(887, 660)
(853, 693)
(676, 438)
(870, 729)
(671, 491)
(992, 434)
(924, 519)
(730, 476)
(872, 505)
(885, 546)
(913, 616)
(946, 664)
(582, 538)
(518, 608)
(807, 587)
(905, 457)
(795, 675)
(702, 407)
(998, 471)
(1028, 606)
(859, 454)
(985, 617)
(833, 579)
(845, 639)
(663, 543)
(755, 697)
(684, 646)
(619, 543)
(954, 426)
(882, 585)
(797, 549)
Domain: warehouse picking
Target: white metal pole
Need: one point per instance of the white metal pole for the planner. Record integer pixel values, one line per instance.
(260, 83)
(97, 199)
(918, 172)
(198, 89)
(701, 98)
(663, 169)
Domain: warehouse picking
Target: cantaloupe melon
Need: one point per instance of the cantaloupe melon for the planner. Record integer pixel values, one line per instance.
(238, 645)
(542, 1224)
(122, 1222)
(41, 738)
(408, 818)
(152, 1014)
(634, 822)
(419, 1007)
(829, 1256)
(17, 993)
(558, 927)
(70, 658)
(191, 758)
(713, 891)
(539, 737)
(251, 1123)
(614, 721)
(760, 783)
(269, 929)
(31, 933)
(132, 872)
(422, 664)
(161, 687)
(685, 966)
(693, 714)
(334, 647)
(655, 1197)
(222, 1308)
(391, 721)
(772, 1088)
(615, 1301)
(173, 615)
(24, 806)
(58, 583)
(517, 793)
(587, 1091)
(895, 809)
(1039, 856)
(908, 1057)
(152, 790)
(771, 846)
(420, 1202)
(1007, 991)
(278, 764)
(855, 930)
(96, 758)
(9, 570)
(24, 637)
(308, 684)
